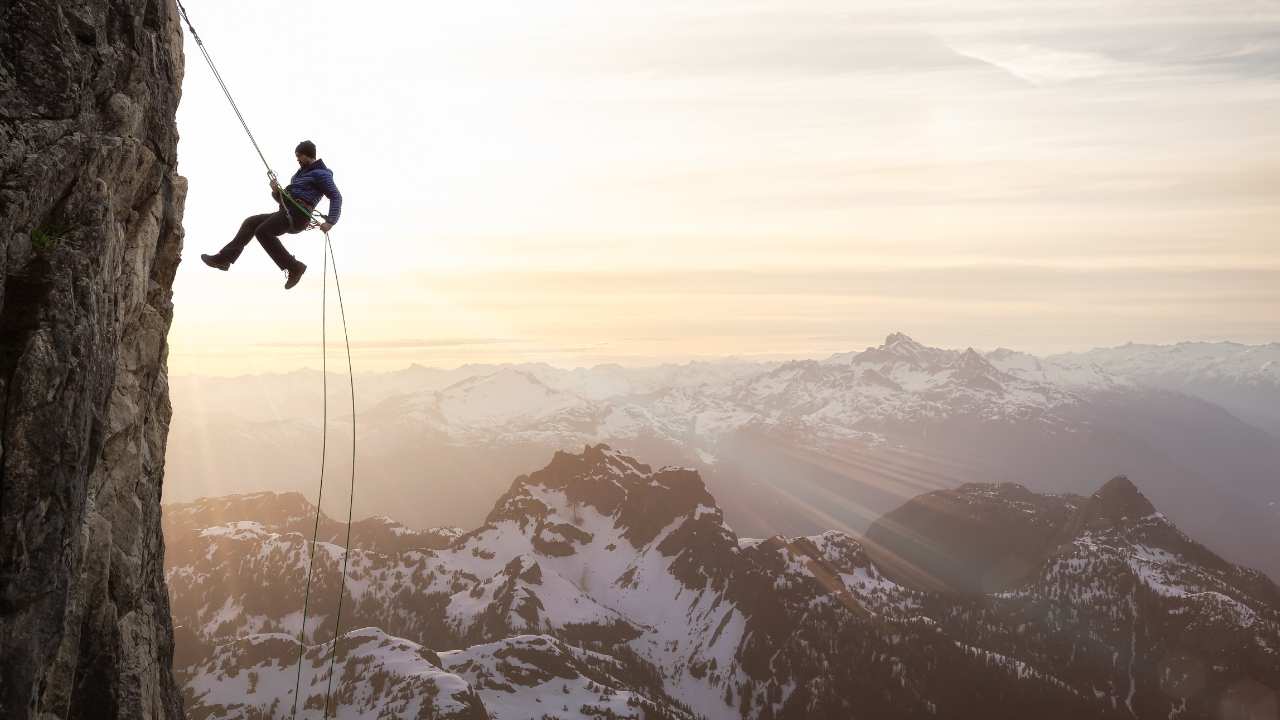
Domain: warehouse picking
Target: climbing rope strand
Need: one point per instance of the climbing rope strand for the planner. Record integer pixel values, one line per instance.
(312, 213)
(225, 91)
(351, 500)
(324, 443)
(314, 219)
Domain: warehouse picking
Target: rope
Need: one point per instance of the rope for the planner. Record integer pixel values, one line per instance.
(324, 443)
(312, 213)
(351, 500)
(218, 76)
(314, 218)
(329, 257)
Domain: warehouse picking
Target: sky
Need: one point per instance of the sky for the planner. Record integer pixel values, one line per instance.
(586, 181)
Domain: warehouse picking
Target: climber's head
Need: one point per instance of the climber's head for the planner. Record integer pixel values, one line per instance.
(305, 152)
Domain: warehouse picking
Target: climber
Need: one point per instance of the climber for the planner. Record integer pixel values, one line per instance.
(312, 180)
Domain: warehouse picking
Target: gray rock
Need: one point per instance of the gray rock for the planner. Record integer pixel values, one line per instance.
(90, 237)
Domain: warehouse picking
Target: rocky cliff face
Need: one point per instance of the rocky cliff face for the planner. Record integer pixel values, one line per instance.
(90, 234)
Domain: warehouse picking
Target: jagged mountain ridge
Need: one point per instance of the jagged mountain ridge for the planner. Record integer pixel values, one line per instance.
(791, 448)
(636, 564)
(291, 513)
(254, 677)
(845, 395)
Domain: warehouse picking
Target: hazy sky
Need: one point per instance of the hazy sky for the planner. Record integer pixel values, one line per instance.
(587, 181)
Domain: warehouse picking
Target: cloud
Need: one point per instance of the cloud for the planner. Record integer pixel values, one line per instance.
(1043, 65)
(804, 47)
(1174, 43)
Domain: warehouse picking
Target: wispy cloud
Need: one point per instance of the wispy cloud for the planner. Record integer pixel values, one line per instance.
(1042, 65)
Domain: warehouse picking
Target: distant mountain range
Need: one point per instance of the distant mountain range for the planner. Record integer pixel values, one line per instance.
(790, 448)
(1244, 379)
(601, 587)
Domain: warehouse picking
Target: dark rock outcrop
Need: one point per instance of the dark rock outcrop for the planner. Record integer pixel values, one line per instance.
(1116, 502)
(975, 539)
(90, 236)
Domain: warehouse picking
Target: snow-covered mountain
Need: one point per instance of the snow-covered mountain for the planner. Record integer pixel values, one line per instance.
(843, 396)
(381, 676)
(790, 448)
(254, 677)
(1244, 379)
(601, 587)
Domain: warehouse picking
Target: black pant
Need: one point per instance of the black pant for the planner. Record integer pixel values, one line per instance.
(267, 228)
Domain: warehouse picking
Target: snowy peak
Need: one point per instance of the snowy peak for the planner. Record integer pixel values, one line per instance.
(642, 501)
(503, 397)
(902, 345)
(899, 348)
(903, 364)
(505, 378)
(870, 394)
(975, 371)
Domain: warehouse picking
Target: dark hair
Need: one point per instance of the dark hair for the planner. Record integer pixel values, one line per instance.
(306, 147)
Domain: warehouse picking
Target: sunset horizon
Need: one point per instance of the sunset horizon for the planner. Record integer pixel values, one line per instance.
(596, 183)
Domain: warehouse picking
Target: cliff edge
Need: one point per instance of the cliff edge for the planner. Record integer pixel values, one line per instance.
(90, 236)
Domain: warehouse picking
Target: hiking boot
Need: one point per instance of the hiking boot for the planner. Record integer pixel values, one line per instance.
(216, 262)
(295, 274)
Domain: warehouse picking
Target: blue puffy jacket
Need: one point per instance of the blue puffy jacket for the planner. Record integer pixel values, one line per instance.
(313, 181)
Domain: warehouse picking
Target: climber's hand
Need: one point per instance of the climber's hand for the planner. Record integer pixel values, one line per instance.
(274, 185)
(326, 226)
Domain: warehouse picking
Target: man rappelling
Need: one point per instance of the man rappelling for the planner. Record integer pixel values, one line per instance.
(297, 201)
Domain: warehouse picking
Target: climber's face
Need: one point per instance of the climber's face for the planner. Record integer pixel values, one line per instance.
(304, 160)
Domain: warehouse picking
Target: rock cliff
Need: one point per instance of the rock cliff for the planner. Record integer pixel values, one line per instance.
(90, 236)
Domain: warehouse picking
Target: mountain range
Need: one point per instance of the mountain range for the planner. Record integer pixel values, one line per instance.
(599, 586)
(789, 448)
(1244, 379)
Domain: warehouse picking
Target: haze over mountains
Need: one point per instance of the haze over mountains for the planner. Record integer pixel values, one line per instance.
(793, 448)
(599, 586)
(1244, 379)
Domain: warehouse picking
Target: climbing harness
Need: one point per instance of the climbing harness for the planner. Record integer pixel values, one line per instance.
(314, 219)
